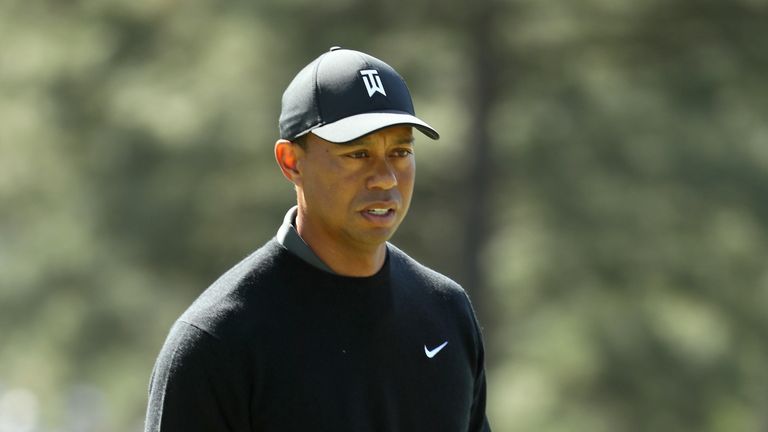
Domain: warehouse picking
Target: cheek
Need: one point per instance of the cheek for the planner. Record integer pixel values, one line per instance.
(327, 189)
(407, 176)
(405, 183)
(319, 190)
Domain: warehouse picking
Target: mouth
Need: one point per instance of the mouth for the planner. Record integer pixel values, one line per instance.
(380, 213)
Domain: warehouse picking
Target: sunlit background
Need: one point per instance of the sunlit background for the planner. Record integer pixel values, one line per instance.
(600, 190)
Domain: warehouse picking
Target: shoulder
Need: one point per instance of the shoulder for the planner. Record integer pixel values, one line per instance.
(232, 303)
(192, 355)
(192, 348)
(408, 269)
(197, 369)
(402, 263)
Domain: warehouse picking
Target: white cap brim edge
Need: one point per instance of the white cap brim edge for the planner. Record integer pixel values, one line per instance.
(353, 127)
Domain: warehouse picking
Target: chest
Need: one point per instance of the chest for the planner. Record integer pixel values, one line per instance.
(390, 363)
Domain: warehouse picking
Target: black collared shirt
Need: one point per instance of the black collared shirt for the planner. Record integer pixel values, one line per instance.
(291, 240)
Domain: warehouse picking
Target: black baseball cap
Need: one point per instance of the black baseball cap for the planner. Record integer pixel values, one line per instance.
(345, 94)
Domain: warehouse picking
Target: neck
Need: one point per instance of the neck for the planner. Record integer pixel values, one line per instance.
(347, 263)
(346, 260)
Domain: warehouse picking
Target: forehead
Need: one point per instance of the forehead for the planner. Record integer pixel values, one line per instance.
(395, 134)
(392, 135)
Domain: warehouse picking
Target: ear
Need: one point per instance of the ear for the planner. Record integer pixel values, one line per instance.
(287, 154)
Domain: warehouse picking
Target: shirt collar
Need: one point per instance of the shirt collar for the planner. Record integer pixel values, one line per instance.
(291, 240)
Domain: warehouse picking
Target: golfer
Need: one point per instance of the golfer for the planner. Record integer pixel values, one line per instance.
(328, 327)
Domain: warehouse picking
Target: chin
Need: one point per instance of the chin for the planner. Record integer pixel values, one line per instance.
(377, 237)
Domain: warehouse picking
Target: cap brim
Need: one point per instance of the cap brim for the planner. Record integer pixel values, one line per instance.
(353, 127)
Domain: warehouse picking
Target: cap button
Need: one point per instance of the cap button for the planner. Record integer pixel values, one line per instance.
(334, 48)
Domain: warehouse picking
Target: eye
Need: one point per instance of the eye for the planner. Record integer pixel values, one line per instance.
(402, 152)
(358, 154)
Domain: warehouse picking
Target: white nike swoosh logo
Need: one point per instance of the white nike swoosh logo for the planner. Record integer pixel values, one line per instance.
(433, 352)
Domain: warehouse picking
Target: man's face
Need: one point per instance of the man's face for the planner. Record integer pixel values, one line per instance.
(355, 195)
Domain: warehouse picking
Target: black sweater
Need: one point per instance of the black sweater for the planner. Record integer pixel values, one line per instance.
(278, 345)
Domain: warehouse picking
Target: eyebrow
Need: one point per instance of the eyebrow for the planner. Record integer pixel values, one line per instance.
(402, 140)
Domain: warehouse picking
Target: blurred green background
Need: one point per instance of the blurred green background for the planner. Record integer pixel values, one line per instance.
(600, 189)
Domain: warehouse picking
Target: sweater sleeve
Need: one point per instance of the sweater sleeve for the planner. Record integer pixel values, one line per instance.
(198, 384)
(478, 421)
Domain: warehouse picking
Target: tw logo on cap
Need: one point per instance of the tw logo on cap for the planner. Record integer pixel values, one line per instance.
(372, 82)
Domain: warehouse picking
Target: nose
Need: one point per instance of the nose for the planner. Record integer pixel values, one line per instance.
(383, 176)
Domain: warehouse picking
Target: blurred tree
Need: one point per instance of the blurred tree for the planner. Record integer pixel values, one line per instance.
(484, 86)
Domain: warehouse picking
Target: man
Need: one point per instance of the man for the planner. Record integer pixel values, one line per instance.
(327, 327)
